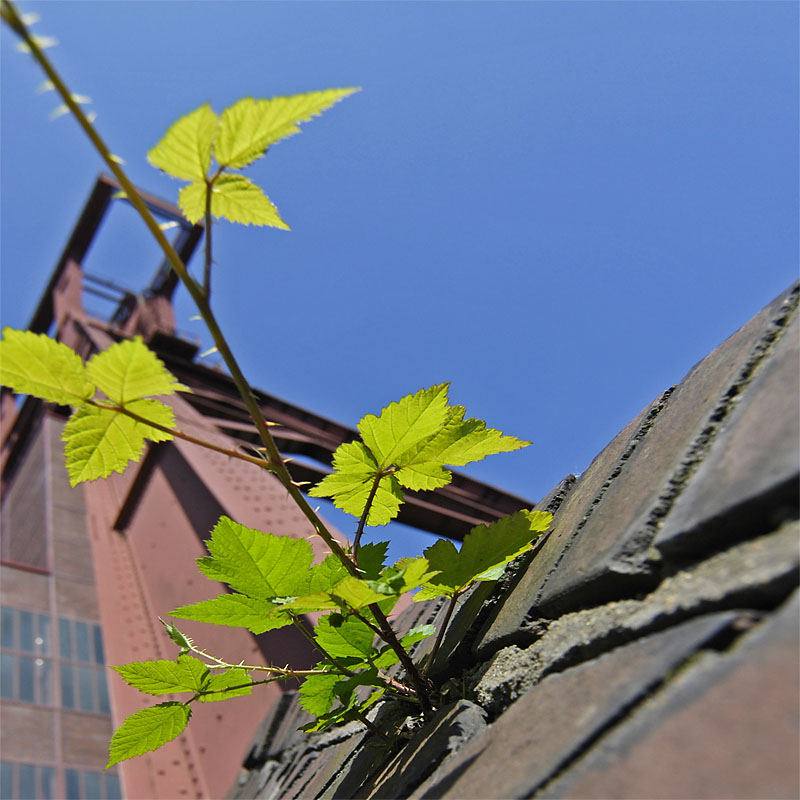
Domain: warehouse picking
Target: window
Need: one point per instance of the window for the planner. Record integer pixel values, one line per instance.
(25, 674)
(28, 671)
(82, 671)
(38, 782)
(29, 781)
(87, 785)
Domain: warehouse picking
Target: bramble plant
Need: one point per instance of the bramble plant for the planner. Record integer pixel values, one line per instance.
(272, 579)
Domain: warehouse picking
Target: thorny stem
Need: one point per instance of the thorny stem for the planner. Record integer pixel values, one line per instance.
(178, 434)
(208, 226)
(302, 628)
(363, 521)
(198, 294)
(440, 633)
(362, 717)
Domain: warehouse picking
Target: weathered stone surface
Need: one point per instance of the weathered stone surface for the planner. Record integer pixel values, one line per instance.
(727, 726)
(506, 623)
(753, 464)
(613, 546)
(552, 722)
(754, 574)
(429, 749)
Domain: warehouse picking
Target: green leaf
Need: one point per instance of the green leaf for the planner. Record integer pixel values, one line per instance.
(317, 693)
(147, 730)
(351, 484)
(180, 639)
(356, 593)
(458, 443)
(402, 577)
(483, 555)
(236, 611)
(187, 674)
(404, 424)
(350, 709)
(249, 126)
(233, 680)
(388, 657)
(35, 364)
(370, 559)
(326, 575)
(129, 370)
(257, 564)
(185, 150)
(99, 441)
(351, 638)
(233, 197)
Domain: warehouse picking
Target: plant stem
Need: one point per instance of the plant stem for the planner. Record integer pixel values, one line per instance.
(363, 521)
(302, 628)
(440, 633)
(197, 292)
(208, 225)
(178, 434)
(362, 717)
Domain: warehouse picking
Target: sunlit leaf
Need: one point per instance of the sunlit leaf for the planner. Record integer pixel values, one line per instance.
(147, 730)
(185, 150)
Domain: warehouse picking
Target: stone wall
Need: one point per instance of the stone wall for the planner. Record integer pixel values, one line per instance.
(648, 648)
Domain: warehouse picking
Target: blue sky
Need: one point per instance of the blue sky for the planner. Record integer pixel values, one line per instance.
(559, 207)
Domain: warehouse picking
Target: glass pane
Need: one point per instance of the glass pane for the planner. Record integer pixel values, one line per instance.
(44, 681)
(27, 780)
(7, 627)
(82, 641)
(26, 679)
(7, 675)
(64, 644)
(6, 779)
(113, 789)
(67, 690)
(43, 635)
(25, 631)
(85, 689)
(48, 783)
(92, 785)
(72, 779)
(102, 693)
(97, 634)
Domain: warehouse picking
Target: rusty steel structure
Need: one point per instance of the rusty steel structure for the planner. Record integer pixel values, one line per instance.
(104, 559)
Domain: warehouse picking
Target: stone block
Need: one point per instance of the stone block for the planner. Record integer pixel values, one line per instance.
(554, 721)
(755, 574)
(613, 548)
(726, 726)
(506, 622)
(754, 463)
(429, 749)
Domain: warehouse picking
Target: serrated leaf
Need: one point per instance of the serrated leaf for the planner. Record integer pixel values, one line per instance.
(457, 443)
(185, 150)
(228, 680)
(351, 484)
(179, 638)
(129, 370)
(32, 363)
(249, 126)
(405, 423)
(370, 559)
(147, 730)
(403, 576)
(236, 611)
(484, 550)
(233, 197)
(326, 575)
(257, 564)
(99, 441)
(187, 674)
(351, 708)
(348, 593)
(317, 693)
(351, 638)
